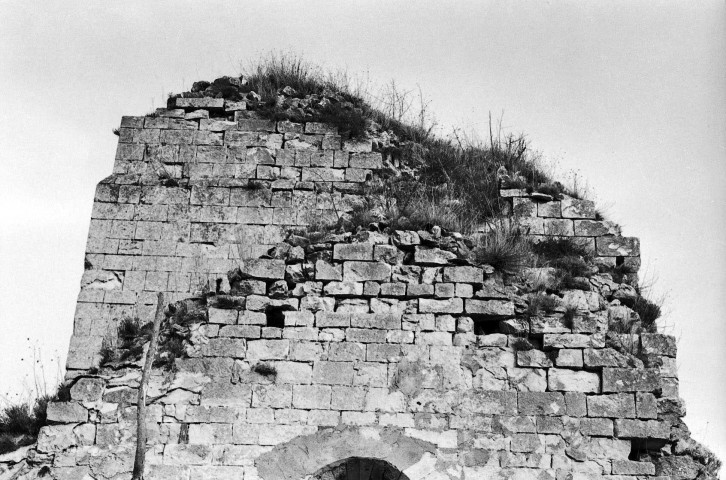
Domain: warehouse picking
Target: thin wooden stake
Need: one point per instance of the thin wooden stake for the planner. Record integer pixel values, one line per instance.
(138, 473)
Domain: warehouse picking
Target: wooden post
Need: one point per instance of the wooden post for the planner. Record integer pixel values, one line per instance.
(138, 473)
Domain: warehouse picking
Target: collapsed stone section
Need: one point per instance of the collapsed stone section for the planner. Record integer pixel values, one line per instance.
(375, 354)
(543, 216)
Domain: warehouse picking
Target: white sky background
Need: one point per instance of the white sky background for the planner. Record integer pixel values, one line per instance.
(631, 94)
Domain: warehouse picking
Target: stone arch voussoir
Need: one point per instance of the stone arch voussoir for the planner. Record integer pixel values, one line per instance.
(307, 455)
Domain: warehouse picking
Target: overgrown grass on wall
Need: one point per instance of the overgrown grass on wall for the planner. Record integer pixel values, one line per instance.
(456, 180)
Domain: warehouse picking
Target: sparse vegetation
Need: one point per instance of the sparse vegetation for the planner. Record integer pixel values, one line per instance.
(521, 344)
(133, 335)
(107, 353)
(20, 423)
(253, 184)
(554, 190)
(554, 248)
(620, 272)
(265, 369)
(223, 301)
(648, 311)
(540, 302)
(505, 249)
(457, 178)
(568, 256)
(568, 318)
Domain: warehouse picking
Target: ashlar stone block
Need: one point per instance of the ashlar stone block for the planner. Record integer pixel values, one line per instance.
(356, 271)
(66, 412)
(541, 403)
(312, 396)
(353, 251)
(450, 305)
(658, 344)
(617, 246)
(612, 406)
(572, 380)
(630, 379)
(626, 428)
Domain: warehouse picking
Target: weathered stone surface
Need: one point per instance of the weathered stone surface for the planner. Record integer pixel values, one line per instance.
(361, 271)
(488, 402)
(602, 427)
(594, 228)
(575, 340)
(463, 274)
(268, 269)
(576, 208)
(432, 256)
(451, 305)
(569, 358)
(56, 438)
(613, 406)
(677, 467)
(572, 381)
(344, 289)
(628, 467)
(606, 357)
(224, 347)
(541, 403)
(646, 405)
(223, 316)
(528, 379)
(87, 389)
(328, 271)
(66, 412)
(630, 380)
(268, 349)
(353, 251)
(576, 403)
(617, 246)
(196, 103)
(533, 358)
(658, 344)
(406, 238)
(495, 308)
(83, 352)
(626, 428)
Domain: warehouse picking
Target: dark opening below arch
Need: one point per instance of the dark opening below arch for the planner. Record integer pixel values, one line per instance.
(356, 468)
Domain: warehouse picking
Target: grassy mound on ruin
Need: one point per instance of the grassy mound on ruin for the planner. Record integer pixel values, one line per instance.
(451, 181)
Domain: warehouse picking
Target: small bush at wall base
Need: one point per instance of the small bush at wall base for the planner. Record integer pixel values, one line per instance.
(17, 420)
(20, 424)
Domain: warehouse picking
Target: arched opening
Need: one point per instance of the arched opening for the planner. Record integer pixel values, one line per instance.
(356, 468)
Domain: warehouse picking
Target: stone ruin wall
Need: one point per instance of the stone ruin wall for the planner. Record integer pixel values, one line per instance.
(396, 360)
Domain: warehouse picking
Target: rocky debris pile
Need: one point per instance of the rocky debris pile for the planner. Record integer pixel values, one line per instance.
(235, 98)
(298, 326)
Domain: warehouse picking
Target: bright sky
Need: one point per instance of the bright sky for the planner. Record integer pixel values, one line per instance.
(630, 93)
